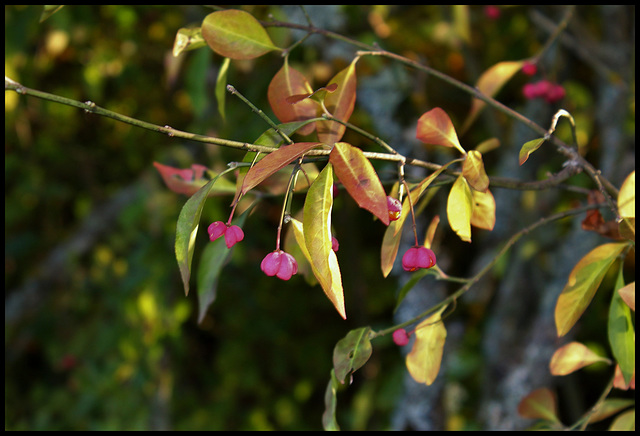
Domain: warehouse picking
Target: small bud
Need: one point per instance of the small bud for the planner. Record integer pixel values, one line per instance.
(400, 337)
(395, 208)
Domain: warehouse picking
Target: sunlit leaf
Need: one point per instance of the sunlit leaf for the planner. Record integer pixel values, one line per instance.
(236, 34)
(459, 207)
(528, 148)
(286, 83)
(360, 179)
(188, 39)
(340, 105)
(489, 83)
(627, 207)
(483, 214)
(317, 235)
(539, 404)
(571, 357)
(622, 335)
(584, 280)
(628, 295)
(352, 352)
(423, 362)
(221, 86)
(473, 171)
(274, 162)
(435, 127)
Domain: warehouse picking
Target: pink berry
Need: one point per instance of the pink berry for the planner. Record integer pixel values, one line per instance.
(529, 68)
(418, 257)
(400, 337)
(233, 235)
(334, 244)
(216, 229)
(280, 264)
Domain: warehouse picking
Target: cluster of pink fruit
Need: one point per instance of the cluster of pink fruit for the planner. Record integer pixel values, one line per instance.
(549, 91)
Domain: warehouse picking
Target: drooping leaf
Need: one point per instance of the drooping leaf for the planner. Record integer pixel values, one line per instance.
(236, 34)
(274, 162)
(221, 87)
(622, 335)
(528, 148)
(539, 404)
(459, 207)
(329, 422)
(473, 171)
(352, 352)
(584, 280)
(188, 39)
(340, 104)
(571, 357)
(286, 83)
(317, 235)
(489, 83)
(423, 362)
(360, 179)
(435, 127)
(483, 214)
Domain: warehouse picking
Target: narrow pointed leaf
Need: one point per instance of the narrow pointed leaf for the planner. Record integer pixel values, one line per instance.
(221, 87)
(539, 404)
(317, 235)
(340, 105)
(352, 352)
(360, 179)
(572, 357)
(435, 127)
(274, 162)
(459, 207)
(622, 335)
(236, 34)
(473, 171)
(584, 280)
(286, 83)
(423, 362)
(483, 214)
(329, 422)
(528, 148)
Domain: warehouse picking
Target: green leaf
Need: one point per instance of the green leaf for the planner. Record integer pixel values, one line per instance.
(329, 422)
(236, 34)
(221, 86)
(360, 179)
(186, 230)
(622, 335)
(528, 148)
(423, 362)
(340, 104)
(459, 207)
(352, 352)
(317, 236)
(435, 127)
(584, 280)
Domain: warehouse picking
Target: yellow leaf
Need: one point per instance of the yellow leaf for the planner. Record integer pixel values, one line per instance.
(627, 197)
(572, 357)
(483, 215)
(423, 362)
(459, 206)
(473, 171)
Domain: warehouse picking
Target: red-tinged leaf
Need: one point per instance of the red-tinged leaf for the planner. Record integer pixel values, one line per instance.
(340, 104)
(539, 404)
(473, 171)
(483, 214)
(459, 207)
(572, 357)
(619, 381)
(528, 148)
(236, 34)
(360, 179)
(423, 362)
(319, 94)
(352, 352)
(628, 295)
(584, 280)
(316, 224)
(274, 162)
(286, 83)
(489, 83)
(435, 127)
(188, 181)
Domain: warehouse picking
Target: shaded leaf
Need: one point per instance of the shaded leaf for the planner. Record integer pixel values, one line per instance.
(352, 352)
(473, 171)
(610, 407)
(236, 34)
(274, 162)
(571, 357)
(528, 148)
(49, 10)
(459, 207)
(304, 266)
(221, 86)
(539, 404)
(329, 422)
(483, 214)
(360, 179)
(624, 422)
(488, 145)
(423, 362)
(286, 83)
(317, 236)
(340, 104)
(584, 280)
(188, 39)
(489, 83)
(622, 335)
(435, 127)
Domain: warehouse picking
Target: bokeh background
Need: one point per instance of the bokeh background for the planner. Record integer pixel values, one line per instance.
(98, 332)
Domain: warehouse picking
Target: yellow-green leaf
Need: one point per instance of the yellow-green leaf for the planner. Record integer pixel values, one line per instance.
(539, 404)
(459, 207)
(317, 236)
(188, 39)
(352, 352)
(483, 215)
(423, 362)
(584, 280)
(435, 127)
(221, 87)
(572, 357)
(473, 171)
(622, 335)
(340, 104)
(627, 197)
(528, 148)
(236, 34)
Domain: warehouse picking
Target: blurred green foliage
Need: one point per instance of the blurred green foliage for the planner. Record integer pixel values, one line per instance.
(107, 340)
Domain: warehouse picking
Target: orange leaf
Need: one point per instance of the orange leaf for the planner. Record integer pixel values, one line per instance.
(360, 179)
(340, 104)
(572, 357)
(435, 127)
(286, 83)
